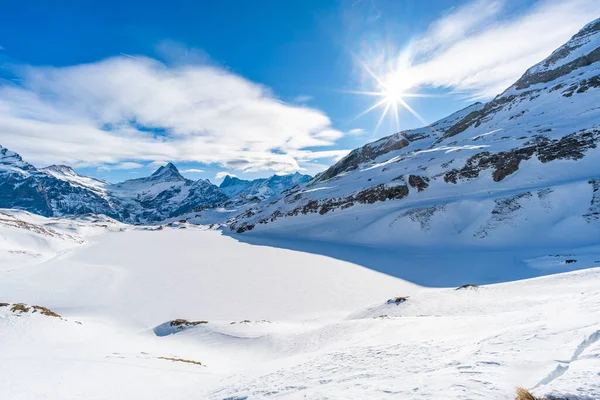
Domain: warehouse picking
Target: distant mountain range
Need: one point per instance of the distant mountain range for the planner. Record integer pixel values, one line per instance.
(524, 165)
(261, 189)
(58, 190)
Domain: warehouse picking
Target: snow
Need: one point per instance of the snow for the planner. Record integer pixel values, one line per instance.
(304, 303)
(29, 239)
(67, 174)
(292, 318)
(261, 188)
(555, 102)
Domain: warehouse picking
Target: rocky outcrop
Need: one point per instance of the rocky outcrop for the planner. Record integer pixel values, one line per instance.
(418, 182)
(364, 154)
(593, 213)
(504, 213)
(370, 195)
(503, 164)
(422, 215)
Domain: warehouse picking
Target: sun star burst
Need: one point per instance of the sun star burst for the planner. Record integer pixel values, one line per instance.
(391, 91)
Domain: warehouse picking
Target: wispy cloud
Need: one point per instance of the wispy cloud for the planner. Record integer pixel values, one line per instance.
(302, 99)
(477, 49)
(128, 165)
(120, 166)
(356, 132)
(191, 171)
(129, 55)
(108, 112)
(223, 174)
(303, 155)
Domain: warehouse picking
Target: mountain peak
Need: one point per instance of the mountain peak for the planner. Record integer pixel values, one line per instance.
(167, 172)
(569, 61)
(10, 158)
(228, 181)
(65, 169)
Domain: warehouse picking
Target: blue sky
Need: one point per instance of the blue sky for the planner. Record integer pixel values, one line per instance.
(251, 88)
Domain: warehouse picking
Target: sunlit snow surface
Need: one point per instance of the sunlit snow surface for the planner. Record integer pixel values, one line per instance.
(306, 325)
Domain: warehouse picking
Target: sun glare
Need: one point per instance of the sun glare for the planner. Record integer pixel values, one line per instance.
(391, 91)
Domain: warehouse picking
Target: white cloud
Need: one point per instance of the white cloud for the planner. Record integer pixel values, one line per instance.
(475, 49)
(356, 132)
(121, 166)
(303, 156)
(223, 174)
(191, 171)
(156, 164)
(128, 165)
(127, 108)
(302, 99)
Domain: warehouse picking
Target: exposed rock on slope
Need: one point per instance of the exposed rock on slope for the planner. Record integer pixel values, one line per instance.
(398, 141)
(538, 137)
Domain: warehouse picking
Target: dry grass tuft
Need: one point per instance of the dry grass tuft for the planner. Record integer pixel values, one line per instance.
(468, 286)
(20, 308)
(398, 300)
(24, 308)
(524, 394)
(181, 360)
(45, 311)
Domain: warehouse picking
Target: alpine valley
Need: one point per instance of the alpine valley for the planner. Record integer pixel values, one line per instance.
(455, 261)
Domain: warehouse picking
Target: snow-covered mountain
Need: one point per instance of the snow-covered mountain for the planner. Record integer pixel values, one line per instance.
(524, 165)
(261, 189)
(165, 194)
(67, 174)
(25, 187)
(57, 190)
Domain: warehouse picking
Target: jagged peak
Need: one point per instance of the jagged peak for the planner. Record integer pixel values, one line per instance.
(59, 168)
(590, 28)
(168, 171)
(582, 50)
(230, 180)
(6, 153)
(13, 159)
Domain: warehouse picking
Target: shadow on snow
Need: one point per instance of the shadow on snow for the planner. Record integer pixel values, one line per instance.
(442, 267)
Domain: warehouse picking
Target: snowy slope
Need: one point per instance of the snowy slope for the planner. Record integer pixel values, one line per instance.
(267, 322)
(27, 239)
(524, 163)
(66, 173)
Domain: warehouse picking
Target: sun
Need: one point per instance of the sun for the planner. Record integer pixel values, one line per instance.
(396, 86)
(391, 92)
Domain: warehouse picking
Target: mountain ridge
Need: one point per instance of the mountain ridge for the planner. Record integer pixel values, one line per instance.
(517, 156)
(58, 190)
(261, 188)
